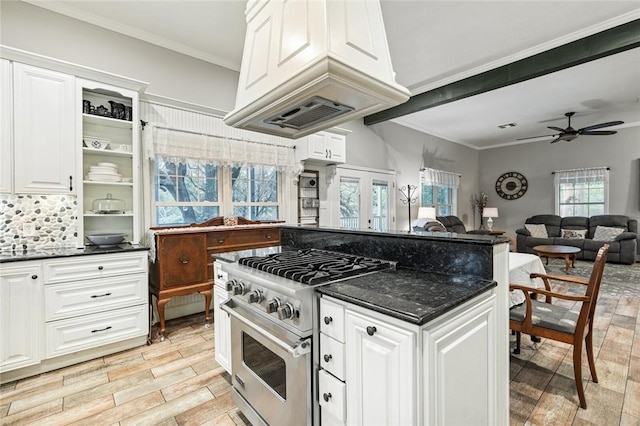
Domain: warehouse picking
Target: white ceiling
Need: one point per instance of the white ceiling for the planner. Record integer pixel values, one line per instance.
(432, 43)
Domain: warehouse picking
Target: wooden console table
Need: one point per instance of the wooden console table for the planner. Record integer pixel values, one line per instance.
(183, 263)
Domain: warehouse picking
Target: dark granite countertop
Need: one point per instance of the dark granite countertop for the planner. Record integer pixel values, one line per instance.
(17, 256)
(413, 296)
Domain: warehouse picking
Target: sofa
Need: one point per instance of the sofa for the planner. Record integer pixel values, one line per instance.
(454, 224)
(620, 232)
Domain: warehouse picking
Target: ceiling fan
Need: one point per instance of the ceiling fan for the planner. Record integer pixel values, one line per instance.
(570, 133)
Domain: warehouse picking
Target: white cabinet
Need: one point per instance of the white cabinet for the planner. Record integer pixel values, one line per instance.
(20, 315)
(108, 139)
(6, 127)
(459, 356)
(380, 372)
(322, 147)
(375, 357)
(221, 320)
(44, 131)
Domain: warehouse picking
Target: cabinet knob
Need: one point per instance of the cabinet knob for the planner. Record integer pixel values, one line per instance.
(326, 396)
(221, 240)
(184, 259)
(328, 320)
(220, 276)
(34, 277)
(100, 268)
(268, 236)
(327, 357)
(371, 330)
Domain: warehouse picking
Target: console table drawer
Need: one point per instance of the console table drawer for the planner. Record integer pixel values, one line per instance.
(88, 297)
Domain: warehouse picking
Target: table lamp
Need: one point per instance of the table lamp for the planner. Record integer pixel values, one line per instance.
(490, 213)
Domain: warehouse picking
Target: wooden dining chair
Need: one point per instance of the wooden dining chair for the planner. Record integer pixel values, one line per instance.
(568, 325)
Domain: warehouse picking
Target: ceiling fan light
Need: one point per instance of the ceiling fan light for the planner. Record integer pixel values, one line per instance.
(569, 137)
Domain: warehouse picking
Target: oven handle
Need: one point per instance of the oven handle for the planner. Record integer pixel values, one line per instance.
(299, 348)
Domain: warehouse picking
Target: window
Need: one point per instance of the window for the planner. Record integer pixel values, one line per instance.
(192, 191)
(439, 189)
(582, 192)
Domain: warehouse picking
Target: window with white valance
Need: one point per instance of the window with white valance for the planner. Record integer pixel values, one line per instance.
(439, 189)
(581, 192)
(201, 168)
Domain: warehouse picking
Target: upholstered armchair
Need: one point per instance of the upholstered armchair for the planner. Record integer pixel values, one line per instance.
(454, 224)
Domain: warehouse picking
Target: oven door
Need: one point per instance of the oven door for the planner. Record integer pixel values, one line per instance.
(270, 368)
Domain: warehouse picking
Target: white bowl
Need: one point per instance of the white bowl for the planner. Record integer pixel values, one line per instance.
(102, 170)
(106, 239)
(96, 143)
(104, 177)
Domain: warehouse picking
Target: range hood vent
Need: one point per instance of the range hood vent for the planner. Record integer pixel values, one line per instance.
(309, 65)
(315, 110)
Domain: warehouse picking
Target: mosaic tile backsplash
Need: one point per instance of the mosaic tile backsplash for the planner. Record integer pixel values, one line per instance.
(55, 218)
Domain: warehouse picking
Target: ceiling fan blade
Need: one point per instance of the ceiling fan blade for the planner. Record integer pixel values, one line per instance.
(556, 140)
(555, 128)
(536, 137)
(601, 125)
(599, 132)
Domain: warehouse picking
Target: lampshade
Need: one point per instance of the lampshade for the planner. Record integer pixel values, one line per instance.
(426, 212)
(490, 212)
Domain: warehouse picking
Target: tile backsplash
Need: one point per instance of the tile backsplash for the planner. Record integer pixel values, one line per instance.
(55, 219)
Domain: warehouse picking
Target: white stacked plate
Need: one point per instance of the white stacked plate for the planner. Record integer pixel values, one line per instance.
(104, 172)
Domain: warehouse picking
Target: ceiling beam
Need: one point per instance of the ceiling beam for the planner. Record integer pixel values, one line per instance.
(614, 40)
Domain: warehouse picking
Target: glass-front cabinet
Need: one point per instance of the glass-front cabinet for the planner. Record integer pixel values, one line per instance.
(110, 197)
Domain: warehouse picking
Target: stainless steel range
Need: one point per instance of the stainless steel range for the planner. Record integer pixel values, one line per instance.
(273, 308)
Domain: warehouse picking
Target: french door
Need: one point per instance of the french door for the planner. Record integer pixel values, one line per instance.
(365, 198)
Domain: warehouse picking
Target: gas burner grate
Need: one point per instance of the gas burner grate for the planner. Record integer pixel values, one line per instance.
(311, 266)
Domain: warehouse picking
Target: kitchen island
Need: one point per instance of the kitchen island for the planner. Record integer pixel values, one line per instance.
(430, 336)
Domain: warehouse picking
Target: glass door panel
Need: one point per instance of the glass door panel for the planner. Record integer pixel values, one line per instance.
(349, 203)
(379, 206)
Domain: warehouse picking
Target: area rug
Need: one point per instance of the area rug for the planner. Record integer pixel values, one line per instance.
(617, 280)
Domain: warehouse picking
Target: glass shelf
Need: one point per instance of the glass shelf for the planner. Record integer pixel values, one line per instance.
(107, 121)
(95, 182)
(107, 152)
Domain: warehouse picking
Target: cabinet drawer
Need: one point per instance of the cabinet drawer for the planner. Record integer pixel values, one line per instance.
(99, 266)
(253, 236)
(220, 276)
(89, 331)
(88, 297)
(332, 319)
(332, 356)
(331, 393)
(182, 259)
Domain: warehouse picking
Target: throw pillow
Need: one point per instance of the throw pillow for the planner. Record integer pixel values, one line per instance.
(607, 233)
(574, 234)
(537, 231)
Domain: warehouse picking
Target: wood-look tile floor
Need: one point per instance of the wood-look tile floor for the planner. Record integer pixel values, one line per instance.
(178, 382)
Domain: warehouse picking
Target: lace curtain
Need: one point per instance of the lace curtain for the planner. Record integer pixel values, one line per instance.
(223, 149)
(439, 178)
(593, 174)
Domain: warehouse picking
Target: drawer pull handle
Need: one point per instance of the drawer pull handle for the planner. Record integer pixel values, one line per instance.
(371, 330)
(100, 295)
(328, 320)
(104, 329)
(326, 396)
(268, 236)
(327, 357)
(184, 259)
(100, 268)
(34, 277)
(219, 276)
(221, 240)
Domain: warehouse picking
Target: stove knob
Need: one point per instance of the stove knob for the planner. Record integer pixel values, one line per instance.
(229, 284)
(255, 296)
(238, 288)
(273, 305)
(286, 311)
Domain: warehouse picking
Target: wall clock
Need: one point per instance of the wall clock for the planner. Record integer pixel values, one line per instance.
(511, 185)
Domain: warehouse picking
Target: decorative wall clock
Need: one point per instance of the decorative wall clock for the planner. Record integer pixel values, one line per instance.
(511, 185)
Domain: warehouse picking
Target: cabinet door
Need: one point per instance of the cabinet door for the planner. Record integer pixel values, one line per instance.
(318, 147)
(459, 368)
(6, 127)
(44, 131)
(336, 147)
(21, 320)
(380, 372)
(222, 329)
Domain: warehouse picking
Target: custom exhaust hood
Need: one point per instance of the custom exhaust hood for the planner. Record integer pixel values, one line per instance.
(309, 65)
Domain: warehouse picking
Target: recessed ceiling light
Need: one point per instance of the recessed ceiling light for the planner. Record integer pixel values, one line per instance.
(506, 126)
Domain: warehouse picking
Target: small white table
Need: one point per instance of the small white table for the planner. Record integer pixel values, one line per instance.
(521, 265)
